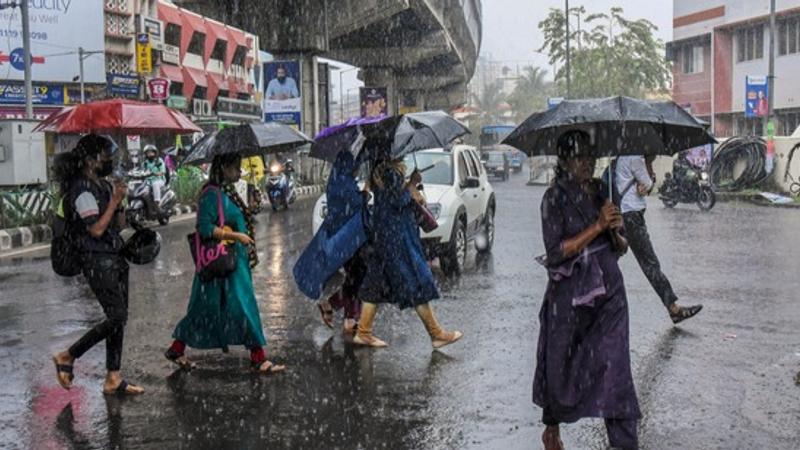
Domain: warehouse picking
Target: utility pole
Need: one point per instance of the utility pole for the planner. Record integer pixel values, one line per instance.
(771, 77)
(26, 51)
(569, 75)
(80, 74)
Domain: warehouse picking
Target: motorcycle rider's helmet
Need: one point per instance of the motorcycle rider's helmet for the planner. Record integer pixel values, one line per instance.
(150, 149)
(143, 247)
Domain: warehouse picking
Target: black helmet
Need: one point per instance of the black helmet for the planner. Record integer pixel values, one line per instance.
(142, 247)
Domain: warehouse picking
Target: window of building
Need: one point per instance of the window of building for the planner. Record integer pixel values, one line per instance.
(789, 36)
(172, 35)
(239, 56)
(219, 50)
(743, 126)
(789, 122)
(175, 88)
(693, 59)
(200, 93)
(197, 45)
(750, 43)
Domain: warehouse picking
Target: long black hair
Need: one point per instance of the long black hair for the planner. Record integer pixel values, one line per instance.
(216, 175)
(69, 166)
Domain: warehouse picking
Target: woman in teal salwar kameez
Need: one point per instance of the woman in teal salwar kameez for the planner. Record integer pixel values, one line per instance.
(223, 311)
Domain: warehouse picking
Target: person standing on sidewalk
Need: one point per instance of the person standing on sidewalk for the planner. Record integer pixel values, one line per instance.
(635, 180)
(96, 205)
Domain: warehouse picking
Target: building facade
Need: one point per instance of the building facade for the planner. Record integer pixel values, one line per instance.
(718, 44)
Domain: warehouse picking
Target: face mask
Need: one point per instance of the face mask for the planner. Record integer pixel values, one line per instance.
(105, 169)
(281, 79)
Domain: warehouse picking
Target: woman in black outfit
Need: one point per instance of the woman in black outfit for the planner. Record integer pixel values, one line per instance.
(94, 206)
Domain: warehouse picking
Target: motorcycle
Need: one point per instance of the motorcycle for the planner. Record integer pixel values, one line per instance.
(693, 186)
(280, 186)
(142, 206)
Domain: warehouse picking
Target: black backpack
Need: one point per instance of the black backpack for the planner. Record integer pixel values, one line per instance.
(65, 248)
(609, 176)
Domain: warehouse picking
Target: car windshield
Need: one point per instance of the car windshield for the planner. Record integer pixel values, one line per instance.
(495, 157)
(437, 167)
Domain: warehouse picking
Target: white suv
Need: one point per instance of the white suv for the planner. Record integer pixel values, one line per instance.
(459, 195)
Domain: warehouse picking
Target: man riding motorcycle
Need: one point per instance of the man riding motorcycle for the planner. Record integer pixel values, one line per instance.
(155, 166)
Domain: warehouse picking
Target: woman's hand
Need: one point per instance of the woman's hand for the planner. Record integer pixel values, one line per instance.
(415, 193)
(610, 216)
(242, 238)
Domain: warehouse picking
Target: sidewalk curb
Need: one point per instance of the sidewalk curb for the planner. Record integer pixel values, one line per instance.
(16, 238)
(755, 199)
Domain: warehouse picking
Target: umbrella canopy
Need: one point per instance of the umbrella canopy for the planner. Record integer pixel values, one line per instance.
(618, 125)
(117, 116)
(407, 133)
(249, 140)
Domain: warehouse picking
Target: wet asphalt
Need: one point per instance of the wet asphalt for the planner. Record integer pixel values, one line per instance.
(723, 380)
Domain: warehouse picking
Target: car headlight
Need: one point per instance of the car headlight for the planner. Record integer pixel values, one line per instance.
(323, 212)
(435, 209)
(704, 176)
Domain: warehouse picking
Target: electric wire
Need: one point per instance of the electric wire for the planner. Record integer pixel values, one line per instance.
(748, 149)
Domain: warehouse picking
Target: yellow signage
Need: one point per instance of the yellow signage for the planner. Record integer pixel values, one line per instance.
(144, 54)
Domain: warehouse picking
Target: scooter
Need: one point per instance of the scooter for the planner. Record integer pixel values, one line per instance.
(280, 186)
(142, 206)
(692, 187)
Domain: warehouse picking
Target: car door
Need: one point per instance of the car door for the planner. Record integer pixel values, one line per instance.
(483, 195)
(471, 197)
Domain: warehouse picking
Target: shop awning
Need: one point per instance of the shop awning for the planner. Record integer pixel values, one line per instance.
(195, 22)
(169, 14)
(197, 76)
(238, 37)
(172, 73)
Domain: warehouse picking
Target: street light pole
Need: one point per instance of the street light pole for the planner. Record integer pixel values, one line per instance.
(771, 78)
(26, 51)
(80, 58)
(569, 75)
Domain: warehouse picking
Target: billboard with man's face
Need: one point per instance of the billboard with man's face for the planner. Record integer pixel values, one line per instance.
(283, 100)
(374, 102)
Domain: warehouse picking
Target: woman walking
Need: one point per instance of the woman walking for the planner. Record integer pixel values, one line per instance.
(583, 359)
(396, 269)
(223, 311)
(93, 205)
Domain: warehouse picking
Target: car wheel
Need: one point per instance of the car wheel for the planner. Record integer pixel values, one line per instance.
(486, 242)
(163, 220)
(455, 254)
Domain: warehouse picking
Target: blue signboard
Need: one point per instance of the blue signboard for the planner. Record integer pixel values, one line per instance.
(756, 100)
(123, 85)
(43, 94)
(282, 95)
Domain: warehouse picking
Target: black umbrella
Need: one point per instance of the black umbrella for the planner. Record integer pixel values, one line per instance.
(251, 139)
(407, 133)
(618, 126)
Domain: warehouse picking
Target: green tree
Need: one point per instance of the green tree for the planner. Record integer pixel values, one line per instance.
(531, 93)
(490, 98)
(609, 54)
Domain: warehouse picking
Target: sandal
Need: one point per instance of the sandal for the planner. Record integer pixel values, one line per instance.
(122, 389)
(180, 359)
(446, 338)
(327, 316)
(269, 370)
(64, 368)
(685, 312)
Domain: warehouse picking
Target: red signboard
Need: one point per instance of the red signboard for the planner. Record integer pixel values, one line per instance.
(158, 88)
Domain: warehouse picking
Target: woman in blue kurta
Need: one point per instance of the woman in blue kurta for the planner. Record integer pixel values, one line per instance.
(583, 359)
(396, 269)
(223, 312)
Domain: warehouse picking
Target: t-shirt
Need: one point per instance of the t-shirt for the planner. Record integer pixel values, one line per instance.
(90, 200)
(288, 88)
(632, 169)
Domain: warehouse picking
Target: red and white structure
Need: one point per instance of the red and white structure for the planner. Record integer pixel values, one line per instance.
(717, 44)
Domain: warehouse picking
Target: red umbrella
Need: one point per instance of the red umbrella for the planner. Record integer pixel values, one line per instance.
(117, 116)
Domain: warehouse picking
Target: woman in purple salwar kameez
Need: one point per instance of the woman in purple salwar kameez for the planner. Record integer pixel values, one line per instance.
(583, 358)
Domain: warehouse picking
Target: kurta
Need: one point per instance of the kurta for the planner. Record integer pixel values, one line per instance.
(397, 271)
(222, 312)
(583, 358)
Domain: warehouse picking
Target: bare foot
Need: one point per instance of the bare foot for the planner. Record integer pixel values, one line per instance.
(446, 338)
(368, 340)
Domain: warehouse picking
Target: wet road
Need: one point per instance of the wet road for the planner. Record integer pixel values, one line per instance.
(721, 381)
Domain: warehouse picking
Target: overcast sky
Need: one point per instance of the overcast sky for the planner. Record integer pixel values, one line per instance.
(511, 32)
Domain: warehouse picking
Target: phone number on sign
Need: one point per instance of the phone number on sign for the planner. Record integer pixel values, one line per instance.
(35, 35)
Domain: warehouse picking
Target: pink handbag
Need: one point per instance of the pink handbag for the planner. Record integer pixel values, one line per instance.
(213, 258)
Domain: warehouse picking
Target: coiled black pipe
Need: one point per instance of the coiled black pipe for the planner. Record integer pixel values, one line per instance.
(794, 187)
(752, 150)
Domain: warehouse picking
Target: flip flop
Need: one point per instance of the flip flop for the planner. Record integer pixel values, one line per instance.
(327, 316)
(122, 389)
(175, 357)
(64, 368)
(270, 370)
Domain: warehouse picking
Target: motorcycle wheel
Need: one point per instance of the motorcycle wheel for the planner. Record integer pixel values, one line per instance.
(706, 199)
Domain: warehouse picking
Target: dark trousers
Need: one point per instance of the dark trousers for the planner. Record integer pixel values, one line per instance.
(107, 275)
(622, 433)
(642, 248)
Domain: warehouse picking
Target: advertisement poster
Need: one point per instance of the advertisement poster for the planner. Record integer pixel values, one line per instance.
(121, 85)
(756, 96)
(144, 54)
(700, 156)
(158, 89)
(43, 94)
(283, 101)
(54, 30)
(374, 102)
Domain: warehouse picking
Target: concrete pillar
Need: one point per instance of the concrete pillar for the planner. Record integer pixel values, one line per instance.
(382, 77)
(411, 101)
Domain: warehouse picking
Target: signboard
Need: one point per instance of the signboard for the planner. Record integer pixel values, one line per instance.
(283, 101)
(54, 25)
(134, 142)
(144, 54)
(158, 89)
(552, 102)
(43, 94)
(171, 54)
(756, 96)
(122, 85)
(178, 102)
(374, 102)
(238, 109)
(153, 28)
